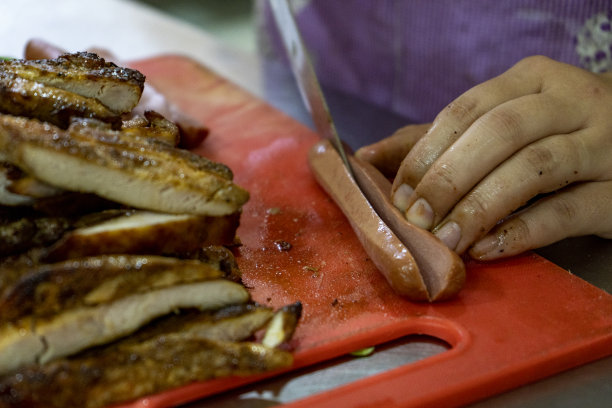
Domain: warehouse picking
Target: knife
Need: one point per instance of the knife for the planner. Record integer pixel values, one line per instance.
(307, 81)
(414, 262)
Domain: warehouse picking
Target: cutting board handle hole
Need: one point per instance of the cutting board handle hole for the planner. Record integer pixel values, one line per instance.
(334, 373)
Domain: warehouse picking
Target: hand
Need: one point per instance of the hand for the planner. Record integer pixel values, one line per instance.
(518, 162)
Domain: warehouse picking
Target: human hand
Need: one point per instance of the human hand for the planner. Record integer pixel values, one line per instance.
(537, 138)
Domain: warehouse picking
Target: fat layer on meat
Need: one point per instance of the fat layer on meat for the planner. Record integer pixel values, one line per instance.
(132, 171)
(84, 74)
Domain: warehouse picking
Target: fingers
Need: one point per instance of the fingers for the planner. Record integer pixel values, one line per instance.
(40, 49)
(387, 154)
(489, 141)
(457, 117)
(529, 172)
(578, 210)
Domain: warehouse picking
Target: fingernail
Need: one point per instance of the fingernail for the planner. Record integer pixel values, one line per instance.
(487, 248)
(420, 214)
(401, 197)
(449, 234)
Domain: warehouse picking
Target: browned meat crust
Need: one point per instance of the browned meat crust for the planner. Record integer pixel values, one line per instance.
(127, 373)
(133, 171)
(83, 74)
(21, 97)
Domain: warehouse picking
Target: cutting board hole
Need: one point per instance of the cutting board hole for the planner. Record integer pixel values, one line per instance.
(331, 374)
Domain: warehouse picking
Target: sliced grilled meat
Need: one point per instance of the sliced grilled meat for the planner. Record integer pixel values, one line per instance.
(283, 325)
(46, 289)
(144, 232)
(137, 172)
(84, 74)
(152, 125)
(123, 374)
(52, 310)
(22, 97)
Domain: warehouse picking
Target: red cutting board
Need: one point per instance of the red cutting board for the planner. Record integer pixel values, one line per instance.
(516, 321)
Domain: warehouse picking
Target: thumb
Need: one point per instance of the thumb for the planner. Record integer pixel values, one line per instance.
(387, 154)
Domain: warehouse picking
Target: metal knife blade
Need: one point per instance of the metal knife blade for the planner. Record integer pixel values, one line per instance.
(306, 78)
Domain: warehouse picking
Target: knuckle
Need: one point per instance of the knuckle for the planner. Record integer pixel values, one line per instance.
(565, 211)
(540, 158)
(505, 124)
(458, 111)
(444, 176)
(534, 62)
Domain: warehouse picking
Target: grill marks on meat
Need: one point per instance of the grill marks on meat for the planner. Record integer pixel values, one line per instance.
(137, 172)
(109, 298)
(85, 74)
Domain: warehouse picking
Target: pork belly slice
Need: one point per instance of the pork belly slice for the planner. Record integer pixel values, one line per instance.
(85, 74)
(121, 375)
(21, 97)
(144, 232)
(135, 172)
(37, 340)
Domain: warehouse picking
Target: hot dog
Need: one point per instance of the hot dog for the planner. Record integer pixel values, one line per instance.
(384, 248)
(441, 268)
(415, 263)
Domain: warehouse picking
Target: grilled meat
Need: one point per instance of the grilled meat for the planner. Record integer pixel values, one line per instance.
(21, 97)
(10, 174)
(122, 374)
(85, 74)
(283, 325)
(232, 323)
(137, 172)
(109, 298)
(152, 125)
(144, 232)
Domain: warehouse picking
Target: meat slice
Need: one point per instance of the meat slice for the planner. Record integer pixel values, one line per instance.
(283, 325)
(33, 340)
(145, 232)
(21, 97)
(136, 172)
(122, 374)
(46, 289)
(84, 74)
(152, 125)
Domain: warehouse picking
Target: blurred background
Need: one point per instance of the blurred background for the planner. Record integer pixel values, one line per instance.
(231, 21)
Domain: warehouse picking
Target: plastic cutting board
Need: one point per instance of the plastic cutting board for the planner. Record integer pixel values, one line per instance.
(516, 321)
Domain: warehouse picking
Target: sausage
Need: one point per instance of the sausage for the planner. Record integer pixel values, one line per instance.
(435, 271)
(441, 268)
(384, 248)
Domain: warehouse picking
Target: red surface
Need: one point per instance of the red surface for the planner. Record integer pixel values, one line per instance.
(516, 321)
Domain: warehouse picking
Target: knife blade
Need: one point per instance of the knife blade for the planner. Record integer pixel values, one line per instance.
(304, 73)
(415, 263)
